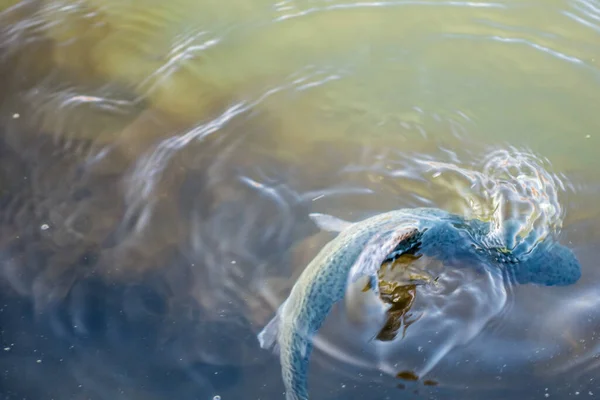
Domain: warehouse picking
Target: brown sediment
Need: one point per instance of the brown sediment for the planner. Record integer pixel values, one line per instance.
(407, 376)
(430, 382)
(15, 10)
(93, 47)
(75, 31)
(49, 225)
(24, 65)
(401, 298)
(146, 130)
(46, 72)
(6, 4)
(169, 75)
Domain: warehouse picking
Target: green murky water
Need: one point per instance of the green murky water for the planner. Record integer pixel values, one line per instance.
(158, 162)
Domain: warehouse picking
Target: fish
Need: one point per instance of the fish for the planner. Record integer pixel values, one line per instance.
(359, 250)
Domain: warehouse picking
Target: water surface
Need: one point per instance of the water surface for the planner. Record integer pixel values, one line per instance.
(158, 162)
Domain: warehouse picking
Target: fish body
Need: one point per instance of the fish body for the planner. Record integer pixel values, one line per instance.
(359, 250)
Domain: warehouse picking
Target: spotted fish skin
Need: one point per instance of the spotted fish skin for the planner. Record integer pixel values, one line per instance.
(435, 233)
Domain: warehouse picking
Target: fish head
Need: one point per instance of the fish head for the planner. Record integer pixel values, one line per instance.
(549, 264)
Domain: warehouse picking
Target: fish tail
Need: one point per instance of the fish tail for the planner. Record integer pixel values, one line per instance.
(295, 376)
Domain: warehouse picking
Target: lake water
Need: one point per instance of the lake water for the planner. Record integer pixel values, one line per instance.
(158, 162)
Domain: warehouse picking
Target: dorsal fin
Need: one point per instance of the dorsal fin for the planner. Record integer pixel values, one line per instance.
(329, 223)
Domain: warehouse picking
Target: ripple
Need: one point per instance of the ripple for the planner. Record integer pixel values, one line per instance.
(512, 186)
(506, 185)
(449, 314)
(69, 111)
(520, 41)
(585, 12)
(148, 169)
(290, 10)
(217, 215)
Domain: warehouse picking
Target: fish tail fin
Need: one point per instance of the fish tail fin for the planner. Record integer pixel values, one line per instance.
(267, 338)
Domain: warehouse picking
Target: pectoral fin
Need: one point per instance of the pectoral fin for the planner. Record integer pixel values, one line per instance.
(268, 338)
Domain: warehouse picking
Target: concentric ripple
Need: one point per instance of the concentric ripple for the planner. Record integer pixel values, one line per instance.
(506, 185)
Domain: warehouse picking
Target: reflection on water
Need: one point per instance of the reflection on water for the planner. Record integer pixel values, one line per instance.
(158, 163)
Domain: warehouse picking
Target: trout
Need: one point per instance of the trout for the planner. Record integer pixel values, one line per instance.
(362, 247)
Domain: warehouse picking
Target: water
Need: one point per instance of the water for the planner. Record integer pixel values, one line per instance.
(158, 164)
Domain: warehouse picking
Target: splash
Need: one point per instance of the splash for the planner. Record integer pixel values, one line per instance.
(513, 190)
